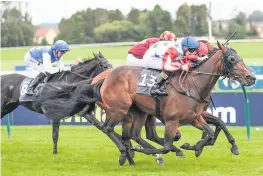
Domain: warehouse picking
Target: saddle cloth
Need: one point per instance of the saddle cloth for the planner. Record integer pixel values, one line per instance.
(23, 90)
(146, 80)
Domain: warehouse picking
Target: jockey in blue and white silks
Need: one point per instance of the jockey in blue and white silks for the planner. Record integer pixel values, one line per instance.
(41, 59)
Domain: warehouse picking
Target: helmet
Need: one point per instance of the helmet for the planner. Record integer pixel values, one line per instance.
(202, 50)
(60, 45)
(190, 42)
(168, 36)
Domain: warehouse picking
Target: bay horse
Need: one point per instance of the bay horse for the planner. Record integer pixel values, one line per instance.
(119, 99)
(122, 81)
(10, 88)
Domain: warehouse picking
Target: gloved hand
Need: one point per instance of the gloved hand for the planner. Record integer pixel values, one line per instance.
(78, 60)
(185, 67)
(66, 69)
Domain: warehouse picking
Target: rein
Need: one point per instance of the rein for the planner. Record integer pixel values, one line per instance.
(182, 79)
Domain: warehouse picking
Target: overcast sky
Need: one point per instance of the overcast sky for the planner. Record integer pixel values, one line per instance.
(52, 11)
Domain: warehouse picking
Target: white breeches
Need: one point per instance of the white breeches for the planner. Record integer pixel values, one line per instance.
(32, 63)
(153, 62)
(131, 60)
(147, 62)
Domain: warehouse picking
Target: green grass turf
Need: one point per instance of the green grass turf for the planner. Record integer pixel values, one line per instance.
(251, 52)
(84, 150)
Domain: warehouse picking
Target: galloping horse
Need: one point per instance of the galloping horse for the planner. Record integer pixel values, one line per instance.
(119, 99)
(10, 90)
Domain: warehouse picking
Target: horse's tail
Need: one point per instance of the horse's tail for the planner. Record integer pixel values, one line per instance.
(70, 103)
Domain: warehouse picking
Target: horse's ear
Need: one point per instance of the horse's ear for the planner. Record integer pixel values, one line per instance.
(221, 47)
(218, 44)
(94, 55)
(101, 55)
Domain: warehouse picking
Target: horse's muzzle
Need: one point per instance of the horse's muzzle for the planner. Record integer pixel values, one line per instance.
(250, 80)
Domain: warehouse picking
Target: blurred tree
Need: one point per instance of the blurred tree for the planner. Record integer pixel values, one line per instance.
(115, 31)
(16, 28)
(44, 41)
(234, 26)
(134, 15)
(241, 19)
(158, 21)
(256, 16)
(183, 20)
(115, 15)
(191, 20)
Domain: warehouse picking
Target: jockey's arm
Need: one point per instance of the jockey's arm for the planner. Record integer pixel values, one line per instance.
(48, 65)
(61, 64)
(168, 60)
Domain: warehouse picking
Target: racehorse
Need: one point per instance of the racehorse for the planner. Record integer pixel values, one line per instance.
(11, 83)
(224, 62)
(119, 99)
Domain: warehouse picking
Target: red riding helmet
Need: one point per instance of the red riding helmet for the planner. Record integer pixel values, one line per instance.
(202, 50)
(168, 36)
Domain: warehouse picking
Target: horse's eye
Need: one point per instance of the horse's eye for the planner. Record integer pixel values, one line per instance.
(232, 59)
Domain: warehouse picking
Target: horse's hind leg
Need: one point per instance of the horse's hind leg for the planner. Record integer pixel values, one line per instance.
(151, 134)
(201, 124)
(210, 119)
(7, 108)
(55, 135)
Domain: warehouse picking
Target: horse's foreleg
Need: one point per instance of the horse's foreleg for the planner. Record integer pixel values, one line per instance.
(171, 128)
(138, 123)
(151, 134)
(150, 128)
(55, 135)
(108, 128)
(209, 118)
(90, 117)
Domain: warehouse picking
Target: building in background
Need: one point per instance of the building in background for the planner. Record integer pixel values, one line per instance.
(45, 35)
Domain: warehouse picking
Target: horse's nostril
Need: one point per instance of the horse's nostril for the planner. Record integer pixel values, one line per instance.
(250, 77)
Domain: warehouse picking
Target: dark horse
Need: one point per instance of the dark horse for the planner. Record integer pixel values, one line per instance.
(119, 99)
(10, 90)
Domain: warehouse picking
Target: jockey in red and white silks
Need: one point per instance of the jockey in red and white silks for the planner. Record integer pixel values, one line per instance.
(162, 55)
(168, 56)
(136, 53)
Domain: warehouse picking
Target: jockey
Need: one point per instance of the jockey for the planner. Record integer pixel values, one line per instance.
(136, 53)
(174, 57)
(202, 50)
(41, 59)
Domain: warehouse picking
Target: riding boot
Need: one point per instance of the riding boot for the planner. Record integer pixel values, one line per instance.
(158, 88)
(34, 83)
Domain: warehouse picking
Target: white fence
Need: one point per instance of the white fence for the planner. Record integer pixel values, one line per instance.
(132, 43)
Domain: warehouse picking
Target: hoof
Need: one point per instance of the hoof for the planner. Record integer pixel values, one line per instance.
(122, 159)
(160, 161)
(180, 154)
(185, 146)
(55, 152)
(235, 150)
(137, 148)
(198, 152)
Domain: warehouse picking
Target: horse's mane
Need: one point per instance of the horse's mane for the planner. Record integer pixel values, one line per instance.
(210, 54)
(86, 61)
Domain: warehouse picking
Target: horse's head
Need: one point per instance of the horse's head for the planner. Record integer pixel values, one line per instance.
(234, 68)
(92, 67)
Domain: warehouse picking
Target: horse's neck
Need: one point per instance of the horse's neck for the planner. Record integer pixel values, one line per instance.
(207, 82)
(76, 75)
(201, 84)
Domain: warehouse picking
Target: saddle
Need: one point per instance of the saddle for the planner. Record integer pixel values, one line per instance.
(23, 90)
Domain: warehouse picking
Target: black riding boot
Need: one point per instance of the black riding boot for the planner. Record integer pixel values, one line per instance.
(158, 88)
(34, 83)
